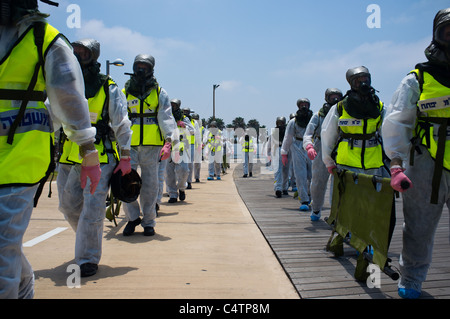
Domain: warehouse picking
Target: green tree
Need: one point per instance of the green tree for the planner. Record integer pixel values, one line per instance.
(219, 121)
(238, 122)
(254, 123)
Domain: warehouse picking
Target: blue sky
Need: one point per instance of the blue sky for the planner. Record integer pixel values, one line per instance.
(263, 54)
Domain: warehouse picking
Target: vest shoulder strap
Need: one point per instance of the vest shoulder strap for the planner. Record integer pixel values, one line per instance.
(39, 33)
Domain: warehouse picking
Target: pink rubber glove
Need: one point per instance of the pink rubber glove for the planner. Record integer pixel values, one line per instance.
(284, 159)
(124, 166)
(181, 124)
(311, 152)
(90, 167)
(399, 181)
(165, 152)
(331, 168)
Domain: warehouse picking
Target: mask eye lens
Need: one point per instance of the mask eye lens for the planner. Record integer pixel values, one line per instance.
(83, 55)
(360, 80)
(444, 34)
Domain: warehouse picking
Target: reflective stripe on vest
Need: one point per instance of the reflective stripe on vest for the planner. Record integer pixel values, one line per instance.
(362, 150)
(27, 159)
(143, 115)
(96, 103)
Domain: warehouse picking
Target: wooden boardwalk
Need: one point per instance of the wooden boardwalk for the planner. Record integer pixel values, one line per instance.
(299, 245)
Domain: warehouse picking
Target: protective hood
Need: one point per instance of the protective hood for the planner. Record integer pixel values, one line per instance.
(142, 80)
(90, 67)
(438, 51)
(12, 11)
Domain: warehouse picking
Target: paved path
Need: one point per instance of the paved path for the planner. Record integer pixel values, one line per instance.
(230, 239)
(205, 247)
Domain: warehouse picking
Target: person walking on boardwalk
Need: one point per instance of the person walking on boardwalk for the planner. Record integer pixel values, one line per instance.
(351, 131)
(84, 211)
(177, 169)
(30, 48)
(274, 143)
(312, 145)
(213, 144)
(248, 150)
(153, 129)
(416, 140)
(293, 143)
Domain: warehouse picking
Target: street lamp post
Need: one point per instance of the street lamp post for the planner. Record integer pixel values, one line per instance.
(215, 86)
(116, 62)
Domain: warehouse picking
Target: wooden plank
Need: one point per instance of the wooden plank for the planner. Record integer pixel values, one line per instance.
(299, 245)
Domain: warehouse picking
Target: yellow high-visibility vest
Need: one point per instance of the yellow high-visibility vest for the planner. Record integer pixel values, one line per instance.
(26, 159)
(96, 103)
(359, 145)
(247, 146)
(192, 137)
(215, 144)
(143, 115)
(433, 123)
(431, 90)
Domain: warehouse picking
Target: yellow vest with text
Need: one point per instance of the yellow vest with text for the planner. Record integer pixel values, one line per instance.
(26, 161)
(247, 146)
(143, 115)
(359, 146)
(71, 150)
(215, 144)
(432, 89)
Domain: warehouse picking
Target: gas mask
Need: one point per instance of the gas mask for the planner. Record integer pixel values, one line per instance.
(142, 74)
(325, 109)
(332, 96)
(438, 51)
(87, 52)
(176, 110)
(303, 116)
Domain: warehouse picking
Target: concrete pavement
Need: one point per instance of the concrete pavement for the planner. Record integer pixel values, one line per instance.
(207, 247)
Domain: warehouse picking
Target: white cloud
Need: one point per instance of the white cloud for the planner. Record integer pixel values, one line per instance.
(127, 41)
(230, 85)
(384, 55)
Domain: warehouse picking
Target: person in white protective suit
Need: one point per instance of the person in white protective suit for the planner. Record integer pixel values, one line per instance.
(190, 150)
(198, 150)
(293, 144)
(154, 131)
(312, 145)
(274, 143)
(85, 212)
(292, 182)
(248, 145)
(415, 135)
(21, 27)
(351, 131)
(214, 149)
(177, 169)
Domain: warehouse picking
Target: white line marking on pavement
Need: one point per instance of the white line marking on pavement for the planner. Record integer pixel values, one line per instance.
(47, 235)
